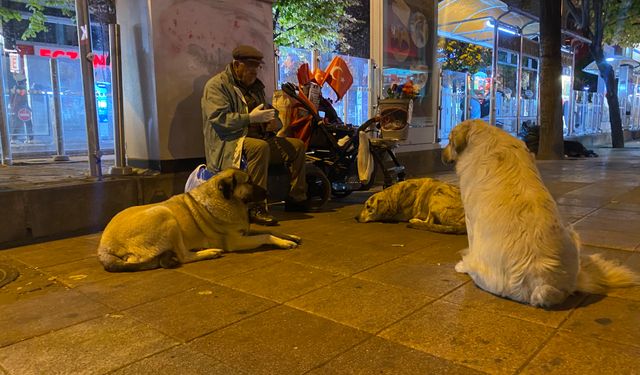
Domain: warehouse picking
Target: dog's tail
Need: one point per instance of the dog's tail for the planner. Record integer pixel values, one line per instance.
(597, 275)
(438, 228)
(112, 263)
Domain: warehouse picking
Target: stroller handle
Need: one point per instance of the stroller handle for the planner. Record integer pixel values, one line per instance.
(367, 124)
(292, 90)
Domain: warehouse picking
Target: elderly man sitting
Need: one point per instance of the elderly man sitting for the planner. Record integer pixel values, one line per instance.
(237, 121)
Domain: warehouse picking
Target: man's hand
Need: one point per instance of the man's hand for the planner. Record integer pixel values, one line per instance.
(259, 114)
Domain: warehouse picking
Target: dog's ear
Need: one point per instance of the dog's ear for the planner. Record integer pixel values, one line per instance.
(460, 138)
(227, 185)
(372, 203)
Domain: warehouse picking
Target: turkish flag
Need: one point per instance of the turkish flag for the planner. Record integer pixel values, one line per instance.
(304, 74)
(339, 76)
(320, 76)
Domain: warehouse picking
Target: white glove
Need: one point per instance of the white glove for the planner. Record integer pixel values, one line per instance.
(259, 115)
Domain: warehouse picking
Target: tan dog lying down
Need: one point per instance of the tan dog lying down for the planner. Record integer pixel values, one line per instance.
(198, 225)
(427, 203)
(519, 247)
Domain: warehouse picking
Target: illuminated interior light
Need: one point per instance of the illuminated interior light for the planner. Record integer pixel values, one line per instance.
(506, 30)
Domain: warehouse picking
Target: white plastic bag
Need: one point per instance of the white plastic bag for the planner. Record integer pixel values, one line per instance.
(365, 159)
(197, 177)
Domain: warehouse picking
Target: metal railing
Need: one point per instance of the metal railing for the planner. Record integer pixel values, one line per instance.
(634, 115)
(353, 108)
(589, 111)
(456, 105)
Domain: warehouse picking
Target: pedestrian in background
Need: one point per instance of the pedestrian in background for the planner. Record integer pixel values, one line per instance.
(20, 101)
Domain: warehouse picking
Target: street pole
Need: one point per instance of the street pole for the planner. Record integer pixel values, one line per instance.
(88, 85)
(572, 95)
(519, 82)
(5, 141)
(494, 74)
(120, 167)
(57, 111)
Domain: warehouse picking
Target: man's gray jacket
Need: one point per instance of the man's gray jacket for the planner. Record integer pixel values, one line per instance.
(225, 117)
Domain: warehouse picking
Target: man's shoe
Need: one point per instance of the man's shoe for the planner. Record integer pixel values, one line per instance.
(296, 206)
(260, 216)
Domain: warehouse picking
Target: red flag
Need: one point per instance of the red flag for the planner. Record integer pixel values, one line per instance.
(319, 76)
(304, 74)
(339, 76)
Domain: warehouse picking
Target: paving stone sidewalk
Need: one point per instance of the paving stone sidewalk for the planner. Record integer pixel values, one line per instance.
(352, 299)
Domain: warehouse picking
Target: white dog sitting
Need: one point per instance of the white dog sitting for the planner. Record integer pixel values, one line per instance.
(518, 245)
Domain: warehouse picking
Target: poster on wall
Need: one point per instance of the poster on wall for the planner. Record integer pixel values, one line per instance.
(409, 53)
(192, 41)
(196, 37)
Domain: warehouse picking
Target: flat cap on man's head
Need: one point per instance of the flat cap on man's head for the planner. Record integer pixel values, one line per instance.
(247, 53)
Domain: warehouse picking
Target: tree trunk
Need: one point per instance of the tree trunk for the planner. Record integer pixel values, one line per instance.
(608, 75)
(615, 120)
(551, 137)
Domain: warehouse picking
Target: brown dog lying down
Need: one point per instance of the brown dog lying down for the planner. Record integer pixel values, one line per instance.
(201, 224)
(426, 203)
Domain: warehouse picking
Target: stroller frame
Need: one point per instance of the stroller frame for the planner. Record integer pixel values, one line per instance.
(339, 162)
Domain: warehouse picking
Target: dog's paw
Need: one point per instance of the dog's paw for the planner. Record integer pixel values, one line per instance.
(415, 221)
(547, 295)
(210, 253)
(460, 267)
(285, 244)
(168, 259)
(292, 237)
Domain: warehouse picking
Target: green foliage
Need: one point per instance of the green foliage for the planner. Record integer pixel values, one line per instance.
(102, 11)
(37, 20)
(460, 56)
(316, 24)
(621, 19)
(9, 15)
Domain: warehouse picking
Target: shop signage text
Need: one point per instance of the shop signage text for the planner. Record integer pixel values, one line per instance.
(54, 52)
(98, 59)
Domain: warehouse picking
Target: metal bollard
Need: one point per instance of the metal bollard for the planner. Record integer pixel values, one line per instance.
(57, 110)
(86, 63)
(120, 167)
(5, 142)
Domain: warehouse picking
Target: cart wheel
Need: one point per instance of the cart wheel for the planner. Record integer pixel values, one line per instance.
(318, 188)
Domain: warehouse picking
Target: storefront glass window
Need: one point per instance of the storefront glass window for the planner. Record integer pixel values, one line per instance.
(409, 54)
(529, 90)
(353, 107)
(289, 61)
(506, 91)
(29, 98)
